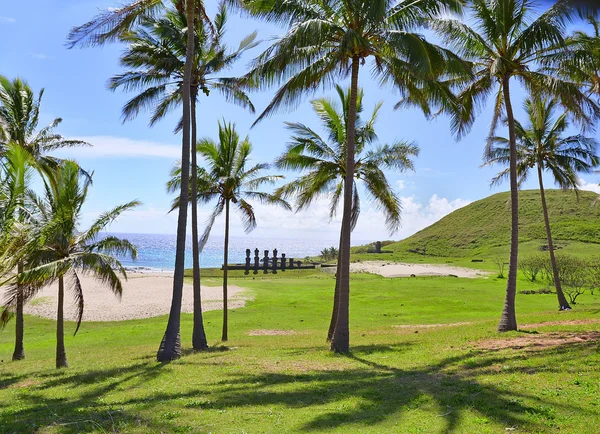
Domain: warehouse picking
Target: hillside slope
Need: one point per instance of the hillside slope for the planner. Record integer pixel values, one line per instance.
(485, 224)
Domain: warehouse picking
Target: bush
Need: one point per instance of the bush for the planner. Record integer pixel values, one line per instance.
(531, 266)
(574, 274)
(501, 264)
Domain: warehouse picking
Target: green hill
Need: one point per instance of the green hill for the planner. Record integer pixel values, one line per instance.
(483, 227)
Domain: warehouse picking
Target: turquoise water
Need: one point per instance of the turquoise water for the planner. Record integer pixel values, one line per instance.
(157, 252)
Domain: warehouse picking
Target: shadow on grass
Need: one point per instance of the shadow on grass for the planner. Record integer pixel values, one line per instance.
(448, 390)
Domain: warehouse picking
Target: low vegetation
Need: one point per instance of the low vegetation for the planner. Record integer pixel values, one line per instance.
(419, 364)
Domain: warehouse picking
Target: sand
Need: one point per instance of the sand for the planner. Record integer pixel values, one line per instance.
(144, 295)
(400, 269)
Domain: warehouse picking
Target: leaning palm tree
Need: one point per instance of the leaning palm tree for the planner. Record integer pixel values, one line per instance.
(541, 145)
(229, 180)
(323, 164)
(329, 40)
(58, 251)
(155, 58)
(506, 41)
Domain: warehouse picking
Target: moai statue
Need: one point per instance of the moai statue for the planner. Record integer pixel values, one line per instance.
(266, 262)
(274, 261)
(378, 247)
(283, 262)
(256, 261)
(247, 270)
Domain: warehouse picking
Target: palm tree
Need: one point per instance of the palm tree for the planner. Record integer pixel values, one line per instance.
(323, 164)
(155, 57)
(19, 120)
(541, 145)
(59, 250)
(581, 60)
(112, 25)
(15, 179)
(330, 40)
(507, 41)
(228, 180)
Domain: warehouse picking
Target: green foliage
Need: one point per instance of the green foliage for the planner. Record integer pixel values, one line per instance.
(228, 179)
(155, 59)
(323, 161)
(531, 266)
(329, 254)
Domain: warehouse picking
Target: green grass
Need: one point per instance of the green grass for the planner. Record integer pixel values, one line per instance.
(481, 230)
(397, 379)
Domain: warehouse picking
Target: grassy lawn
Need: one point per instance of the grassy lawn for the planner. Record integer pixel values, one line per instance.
(400, 377)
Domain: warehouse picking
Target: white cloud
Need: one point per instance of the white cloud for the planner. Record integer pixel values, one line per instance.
(7, 20)
(41, 56)
(312, 223)
(402, 184)
(120, 147)
(590, 186)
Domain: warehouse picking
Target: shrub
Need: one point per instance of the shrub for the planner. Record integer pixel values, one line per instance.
(501, 264)
(531, 266)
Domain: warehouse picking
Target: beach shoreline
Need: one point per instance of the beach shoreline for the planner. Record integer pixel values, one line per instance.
(145, 294)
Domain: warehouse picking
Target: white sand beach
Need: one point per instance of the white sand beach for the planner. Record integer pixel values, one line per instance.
(144, 295)
(401, 269)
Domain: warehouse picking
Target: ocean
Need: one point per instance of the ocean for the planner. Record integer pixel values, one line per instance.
(156, 252)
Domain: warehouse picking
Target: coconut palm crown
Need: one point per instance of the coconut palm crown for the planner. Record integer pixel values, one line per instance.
(323, 160)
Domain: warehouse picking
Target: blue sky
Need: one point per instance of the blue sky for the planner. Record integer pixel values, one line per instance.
(132, 160)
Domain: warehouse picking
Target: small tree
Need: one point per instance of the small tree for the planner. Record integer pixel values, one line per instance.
(531, 266)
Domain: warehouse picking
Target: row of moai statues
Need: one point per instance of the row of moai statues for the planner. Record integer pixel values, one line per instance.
(273, 264)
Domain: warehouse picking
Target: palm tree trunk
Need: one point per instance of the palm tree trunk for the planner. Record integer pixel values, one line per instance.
(225, 267)
(19, 353)
(170, 346)
(508, 319)
(562, 301)
(61, 354)
(198, 334)
(336, 295)
(340, 342)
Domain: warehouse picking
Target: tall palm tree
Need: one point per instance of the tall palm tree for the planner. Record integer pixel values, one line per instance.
(229, 180)
(506, 41)
(58, 251)
(19, 120)
(323, 165)
(541, 144)
(329, 40)
(112, 25)
(155, 58)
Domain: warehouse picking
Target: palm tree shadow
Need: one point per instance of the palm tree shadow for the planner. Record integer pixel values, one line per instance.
(383, 391)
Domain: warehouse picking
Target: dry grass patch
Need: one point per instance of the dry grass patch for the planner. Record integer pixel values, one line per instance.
(267, 332)
(537, 342)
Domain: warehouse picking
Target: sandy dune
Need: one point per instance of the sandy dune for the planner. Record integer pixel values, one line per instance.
(399, 269)
(144, 296)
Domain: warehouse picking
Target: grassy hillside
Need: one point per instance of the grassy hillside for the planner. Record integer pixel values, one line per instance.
(483, 227)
